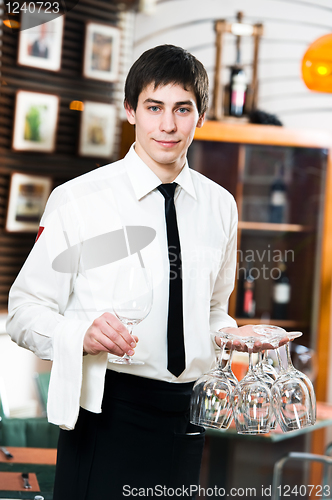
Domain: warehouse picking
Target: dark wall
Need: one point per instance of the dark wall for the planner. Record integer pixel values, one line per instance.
(69, 84)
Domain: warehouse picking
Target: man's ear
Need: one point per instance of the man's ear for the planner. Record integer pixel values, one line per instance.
(130, 113)
(201, 120)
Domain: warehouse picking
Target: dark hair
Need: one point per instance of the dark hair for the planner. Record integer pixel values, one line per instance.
(163, 65)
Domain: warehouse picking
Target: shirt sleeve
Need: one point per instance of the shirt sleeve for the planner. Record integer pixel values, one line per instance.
(37, 303)
(224, 283)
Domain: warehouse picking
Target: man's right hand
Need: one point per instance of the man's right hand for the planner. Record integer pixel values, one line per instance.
(107, 333)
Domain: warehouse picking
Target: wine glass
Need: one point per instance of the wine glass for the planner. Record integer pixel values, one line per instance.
(267, 378)
(251, 400)
(210, 404)
(291, 401)
(132, 301)
(304, 360)
(306, 380)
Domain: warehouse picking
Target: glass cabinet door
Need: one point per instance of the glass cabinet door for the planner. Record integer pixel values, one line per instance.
(280, 193)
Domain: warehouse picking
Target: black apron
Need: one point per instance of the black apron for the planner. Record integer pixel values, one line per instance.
(142, 439)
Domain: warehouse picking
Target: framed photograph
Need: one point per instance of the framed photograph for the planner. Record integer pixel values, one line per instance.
(35, 122)
(27, 199)
(97, 130)
(40, 46)
(101, 52)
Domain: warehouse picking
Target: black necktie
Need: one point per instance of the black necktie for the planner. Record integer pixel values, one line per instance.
(175, 341)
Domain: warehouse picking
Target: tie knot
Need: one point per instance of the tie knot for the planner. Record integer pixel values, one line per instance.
(167, 190)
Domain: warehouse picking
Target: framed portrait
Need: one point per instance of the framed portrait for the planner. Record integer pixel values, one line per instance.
(26, 202)
(101, 52)
(35, 121)
(40, 46)
(97, 131)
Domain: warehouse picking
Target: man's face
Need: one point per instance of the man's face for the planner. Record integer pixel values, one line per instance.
(165, 120)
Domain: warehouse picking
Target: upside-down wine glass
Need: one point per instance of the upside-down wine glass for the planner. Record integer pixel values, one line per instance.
(251, 400)
(304, 360)
(290, 397)
(210, 401)
(267, 379)
(132, 301)
(304, 378)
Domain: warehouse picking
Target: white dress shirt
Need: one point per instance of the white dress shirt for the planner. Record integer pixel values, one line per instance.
(65, 283)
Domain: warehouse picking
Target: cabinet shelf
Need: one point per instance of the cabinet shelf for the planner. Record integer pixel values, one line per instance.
(274, 227)
(243, 158)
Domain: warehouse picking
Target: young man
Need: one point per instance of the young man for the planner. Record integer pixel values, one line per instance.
(130, 429)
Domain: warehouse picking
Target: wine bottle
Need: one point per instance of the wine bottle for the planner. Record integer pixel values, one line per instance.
(278, 197)
(237, 85)
(281, 294)
(247, 304)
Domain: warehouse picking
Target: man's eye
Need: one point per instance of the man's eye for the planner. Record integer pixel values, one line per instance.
(153, 108)
(183, 110)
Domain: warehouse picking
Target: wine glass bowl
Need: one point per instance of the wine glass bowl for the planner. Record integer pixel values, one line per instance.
(210, 401)
(251, 403)
(132, 301)
(291, 402)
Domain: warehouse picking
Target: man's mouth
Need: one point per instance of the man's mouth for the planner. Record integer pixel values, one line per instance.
(167, 144)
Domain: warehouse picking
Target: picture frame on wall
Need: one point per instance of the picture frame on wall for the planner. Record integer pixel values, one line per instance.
(40, 46)
(101, 52)
(26, 202)
(35, 121)
(97, 129)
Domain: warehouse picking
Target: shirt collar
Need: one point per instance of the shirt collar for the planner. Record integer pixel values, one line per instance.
(144, 180)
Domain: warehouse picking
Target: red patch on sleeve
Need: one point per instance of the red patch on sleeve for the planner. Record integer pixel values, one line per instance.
(40, 230)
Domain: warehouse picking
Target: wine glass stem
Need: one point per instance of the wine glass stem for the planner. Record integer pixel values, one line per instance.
(129, 327)
(289, 359)
(260, 360)
(281, 366)
(221, 354)
(229, 361)
(250, 359)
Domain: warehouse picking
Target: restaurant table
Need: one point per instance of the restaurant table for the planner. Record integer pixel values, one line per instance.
(38, 462)
(238, 461)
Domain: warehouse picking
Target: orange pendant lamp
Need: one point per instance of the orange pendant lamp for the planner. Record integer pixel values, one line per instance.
(317, 65)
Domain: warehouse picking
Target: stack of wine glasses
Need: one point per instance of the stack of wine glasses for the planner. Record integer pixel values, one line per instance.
(264, 397)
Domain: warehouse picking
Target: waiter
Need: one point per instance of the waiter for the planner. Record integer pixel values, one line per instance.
(125, 428)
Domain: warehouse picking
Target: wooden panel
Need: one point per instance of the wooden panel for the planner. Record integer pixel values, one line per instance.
(269, 226)
(263, 134)
(324, 315)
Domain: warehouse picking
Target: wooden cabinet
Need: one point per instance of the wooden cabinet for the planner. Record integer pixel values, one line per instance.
(243, 158)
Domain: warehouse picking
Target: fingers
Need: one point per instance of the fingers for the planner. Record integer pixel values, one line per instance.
(108, 334)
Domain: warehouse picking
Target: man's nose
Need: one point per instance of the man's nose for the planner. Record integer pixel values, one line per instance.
(167, 123)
